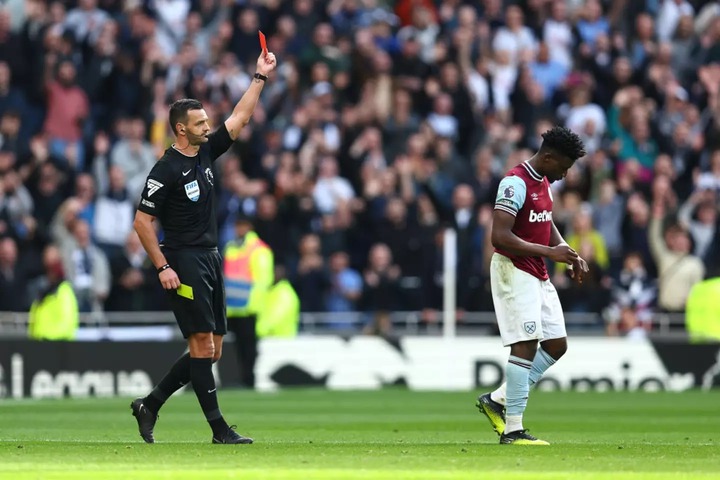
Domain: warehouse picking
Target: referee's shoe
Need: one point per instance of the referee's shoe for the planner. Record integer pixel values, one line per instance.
(230, 436)
(145, 419)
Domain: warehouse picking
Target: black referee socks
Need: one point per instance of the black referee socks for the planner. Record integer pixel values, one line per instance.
(174, 380)
(203, 383)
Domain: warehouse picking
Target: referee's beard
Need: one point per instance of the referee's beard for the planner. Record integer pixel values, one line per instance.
(197, 139)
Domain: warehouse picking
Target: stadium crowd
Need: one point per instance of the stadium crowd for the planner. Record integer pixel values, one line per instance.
(385, 123)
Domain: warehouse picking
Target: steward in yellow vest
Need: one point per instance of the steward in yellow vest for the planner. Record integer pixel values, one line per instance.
(702, 311)
(54, 315)
(248, 275)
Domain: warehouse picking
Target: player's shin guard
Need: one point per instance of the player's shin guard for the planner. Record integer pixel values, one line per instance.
(518, 387)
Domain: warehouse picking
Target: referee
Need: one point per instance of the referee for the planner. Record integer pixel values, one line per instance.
(179, 192)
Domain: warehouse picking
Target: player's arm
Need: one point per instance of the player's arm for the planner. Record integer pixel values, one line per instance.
(246, 106)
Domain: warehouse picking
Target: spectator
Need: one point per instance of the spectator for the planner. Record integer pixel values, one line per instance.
(699, 216)
(557, 34)
(585, 237)
(86, 21)
(515, 38)
(591, 26)
(671, 11)
(113, 215)
(380, 290)
(424, 29)
(345, 284)
(633, 295)
(549, 73)
(331, 188)
(87, 269)
(134, 283)
(13, 280)
(678, 269)
(310, 278)
(608, 215)
(135, 157)
(11, 98)
(67, 108)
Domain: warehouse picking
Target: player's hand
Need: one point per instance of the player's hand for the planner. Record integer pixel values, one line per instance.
(578, 269)
(563, 254)
(266, 63)
(169, 279)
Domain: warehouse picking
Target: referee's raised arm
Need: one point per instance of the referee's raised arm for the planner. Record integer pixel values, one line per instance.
(244, 108)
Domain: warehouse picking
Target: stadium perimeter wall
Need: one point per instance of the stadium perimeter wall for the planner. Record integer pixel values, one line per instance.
(80, 369)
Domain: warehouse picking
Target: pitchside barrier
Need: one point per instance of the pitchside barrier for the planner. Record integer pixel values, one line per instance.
(31, 369)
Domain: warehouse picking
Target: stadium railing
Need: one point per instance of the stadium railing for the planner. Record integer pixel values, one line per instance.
(161, 325)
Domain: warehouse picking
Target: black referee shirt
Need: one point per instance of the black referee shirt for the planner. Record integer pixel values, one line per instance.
(179, 193)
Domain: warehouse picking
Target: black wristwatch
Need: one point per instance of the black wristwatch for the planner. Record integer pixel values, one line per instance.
(260, 76)
(163, 268)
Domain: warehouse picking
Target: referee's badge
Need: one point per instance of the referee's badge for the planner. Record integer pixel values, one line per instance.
(192, 190)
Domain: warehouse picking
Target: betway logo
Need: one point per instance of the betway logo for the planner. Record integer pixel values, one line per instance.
(543, 216)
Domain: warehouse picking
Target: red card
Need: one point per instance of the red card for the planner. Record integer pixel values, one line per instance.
(263, 44)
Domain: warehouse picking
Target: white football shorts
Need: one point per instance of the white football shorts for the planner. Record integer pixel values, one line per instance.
(526, 307)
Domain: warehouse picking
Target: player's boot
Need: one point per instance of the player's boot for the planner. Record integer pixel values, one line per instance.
(145, 419)
(232, 437)
(494, 411)
(520, 437)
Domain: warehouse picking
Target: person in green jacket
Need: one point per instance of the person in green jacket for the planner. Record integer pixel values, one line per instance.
(54, 314)
(702, 311)
(280, 316)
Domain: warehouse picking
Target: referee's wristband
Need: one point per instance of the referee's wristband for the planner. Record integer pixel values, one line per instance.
(260, 76)
(163, 268)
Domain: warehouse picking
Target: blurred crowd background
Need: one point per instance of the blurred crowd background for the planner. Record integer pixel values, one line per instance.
(385, 123)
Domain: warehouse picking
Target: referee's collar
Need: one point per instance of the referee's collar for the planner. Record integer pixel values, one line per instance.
(181, 153)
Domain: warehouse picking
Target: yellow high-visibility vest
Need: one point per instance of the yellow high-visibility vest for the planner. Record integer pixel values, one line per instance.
(248, 273)
(280, 315)
(702, 311)
(56, 316)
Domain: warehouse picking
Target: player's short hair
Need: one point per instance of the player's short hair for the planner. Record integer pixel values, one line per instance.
(179, 111)
(563, 141)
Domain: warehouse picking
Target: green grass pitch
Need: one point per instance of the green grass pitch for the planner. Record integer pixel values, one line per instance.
(389, 434)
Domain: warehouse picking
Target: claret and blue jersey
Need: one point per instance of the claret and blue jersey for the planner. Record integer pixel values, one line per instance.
(527, 196)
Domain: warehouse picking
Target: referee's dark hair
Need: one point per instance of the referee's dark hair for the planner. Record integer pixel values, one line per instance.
(179, 111)
(563, 141)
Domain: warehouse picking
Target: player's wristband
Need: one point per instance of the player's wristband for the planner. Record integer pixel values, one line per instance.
(260, 76)
(163, 268)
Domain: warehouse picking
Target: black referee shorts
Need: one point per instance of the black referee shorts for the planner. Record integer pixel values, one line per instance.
(199, 304)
